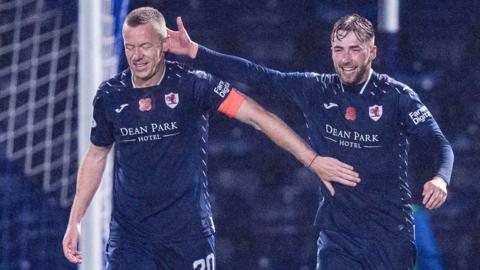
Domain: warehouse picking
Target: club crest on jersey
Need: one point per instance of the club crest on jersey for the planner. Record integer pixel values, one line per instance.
(145, 104)
(375, 112)
(350, 113)
(171, 99)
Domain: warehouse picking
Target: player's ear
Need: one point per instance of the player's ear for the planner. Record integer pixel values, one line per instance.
(166, 44)
(373, 53)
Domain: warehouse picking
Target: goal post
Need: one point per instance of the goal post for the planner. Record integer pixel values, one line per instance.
(90, 76)
(98, 24)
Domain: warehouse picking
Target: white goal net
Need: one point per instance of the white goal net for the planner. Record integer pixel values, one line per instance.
(42, 128)
(38, 71)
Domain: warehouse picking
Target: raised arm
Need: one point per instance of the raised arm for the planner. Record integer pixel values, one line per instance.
(328, 169)
(89, 178)
(234, 68)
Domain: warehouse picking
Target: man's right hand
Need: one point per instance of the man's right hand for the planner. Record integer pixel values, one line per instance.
(179, 43)
(332, 170)
(70, 243)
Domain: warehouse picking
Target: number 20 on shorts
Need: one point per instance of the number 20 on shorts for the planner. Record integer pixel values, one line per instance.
(205, 264)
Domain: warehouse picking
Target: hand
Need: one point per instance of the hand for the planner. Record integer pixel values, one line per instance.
(332, 170)
(70, 241)
(179, 43)
(434, 193)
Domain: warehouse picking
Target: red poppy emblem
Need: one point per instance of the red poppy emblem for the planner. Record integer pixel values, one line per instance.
(145, 104)
(351, 113)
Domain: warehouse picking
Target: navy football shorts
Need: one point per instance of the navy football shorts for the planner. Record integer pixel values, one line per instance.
(128, 254)
(338, 251)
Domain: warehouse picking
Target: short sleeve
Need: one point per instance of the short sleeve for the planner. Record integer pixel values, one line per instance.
(101, 133)
(210, 92)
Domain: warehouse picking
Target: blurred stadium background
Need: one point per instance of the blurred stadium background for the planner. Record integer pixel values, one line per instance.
(264, 201)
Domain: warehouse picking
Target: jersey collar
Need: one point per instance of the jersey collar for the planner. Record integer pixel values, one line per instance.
(364, 84)
(159, 81)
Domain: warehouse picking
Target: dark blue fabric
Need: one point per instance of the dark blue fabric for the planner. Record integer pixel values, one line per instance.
(128, 254)
(337, 251)
(160, 167)
(368, 130)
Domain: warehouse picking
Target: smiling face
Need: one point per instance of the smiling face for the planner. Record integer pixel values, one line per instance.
(352, 58)
(144, 49)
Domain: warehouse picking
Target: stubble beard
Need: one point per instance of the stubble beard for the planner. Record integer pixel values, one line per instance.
(358, 77)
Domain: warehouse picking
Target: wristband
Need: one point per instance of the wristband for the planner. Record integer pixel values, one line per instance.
(311, 162)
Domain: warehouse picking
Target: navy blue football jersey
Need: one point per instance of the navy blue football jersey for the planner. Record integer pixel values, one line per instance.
(366, 129)
(160, 153)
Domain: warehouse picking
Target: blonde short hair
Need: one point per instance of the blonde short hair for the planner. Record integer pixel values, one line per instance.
(146, 15)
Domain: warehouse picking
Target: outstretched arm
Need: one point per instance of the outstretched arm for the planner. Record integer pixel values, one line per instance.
(89, 178)
(233, 68)
(328, 169)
